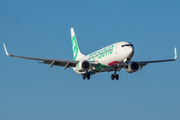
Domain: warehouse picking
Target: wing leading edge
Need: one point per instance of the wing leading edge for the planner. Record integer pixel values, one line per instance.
(63, 63)
(143, 63)
(155, 61)
(72, 63)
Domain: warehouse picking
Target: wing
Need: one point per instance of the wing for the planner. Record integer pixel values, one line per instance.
(143, 63)
(63, 63)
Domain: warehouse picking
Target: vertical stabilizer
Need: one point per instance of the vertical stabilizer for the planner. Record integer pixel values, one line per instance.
(76, 51)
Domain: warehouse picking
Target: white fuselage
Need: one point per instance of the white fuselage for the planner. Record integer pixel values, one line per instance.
(109, 56)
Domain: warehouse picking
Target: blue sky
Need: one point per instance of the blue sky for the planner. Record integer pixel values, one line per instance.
(41, 28)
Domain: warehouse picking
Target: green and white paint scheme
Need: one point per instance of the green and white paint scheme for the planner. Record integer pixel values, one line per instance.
(111, 58)
(76, 51)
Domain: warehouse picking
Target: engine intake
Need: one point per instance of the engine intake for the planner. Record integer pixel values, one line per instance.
(132, 67)
(83, 66)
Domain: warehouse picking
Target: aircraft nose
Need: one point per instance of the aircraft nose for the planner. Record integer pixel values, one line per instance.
(130, 52)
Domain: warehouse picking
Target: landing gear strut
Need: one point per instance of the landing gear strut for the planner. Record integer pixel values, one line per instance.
(115, 75)
(84, 76)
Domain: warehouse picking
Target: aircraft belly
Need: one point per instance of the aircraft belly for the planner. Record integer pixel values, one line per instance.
(103, 65)
(101, 68)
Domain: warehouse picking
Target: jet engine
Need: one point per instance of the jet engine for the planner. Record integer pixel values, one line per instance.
(83, 66)
(132, 67)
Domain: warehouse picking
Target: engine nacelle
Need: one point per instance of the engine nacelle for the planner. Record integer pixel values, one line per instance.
(83, 66)
(132, 67)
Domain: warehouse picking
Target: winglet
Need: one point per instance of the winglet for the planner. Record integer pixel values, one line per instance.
(6, 50)
(175, 53)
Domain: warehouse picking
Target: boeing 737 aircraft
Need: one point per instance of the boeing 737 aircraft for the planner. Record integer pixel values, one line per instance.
(111, 58)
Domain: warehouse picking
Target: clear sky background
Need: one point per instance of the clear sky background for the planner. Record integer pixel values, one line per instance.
(41, 28)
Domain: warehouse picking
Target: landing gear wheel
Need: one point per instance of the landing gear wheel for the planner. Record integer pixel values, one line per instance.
(112, 76)
(84, 76)
(88, 76)
(117, 77)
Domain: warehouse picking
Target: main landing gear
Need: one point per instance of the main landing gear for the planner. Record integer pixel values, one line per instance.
(115, 75)
(84, 76)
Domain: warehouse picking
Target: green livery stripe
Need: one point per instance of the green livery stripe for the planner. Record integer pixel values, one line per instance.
(77, 66)
(101, 53)
(101, 67)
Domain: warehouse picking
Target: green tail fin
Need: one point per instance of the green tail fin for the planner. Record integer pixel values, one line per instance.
(76, 51)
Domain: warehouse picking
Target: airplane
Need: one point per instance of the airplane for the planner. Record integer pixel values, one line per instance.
(111, 58)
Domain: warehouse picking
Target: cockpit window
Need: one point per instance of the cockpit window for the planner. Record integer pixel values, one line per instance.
(127, 45)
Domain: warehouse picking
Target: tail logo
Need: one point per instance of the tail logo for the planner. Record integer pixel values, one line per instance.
(74, 47)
